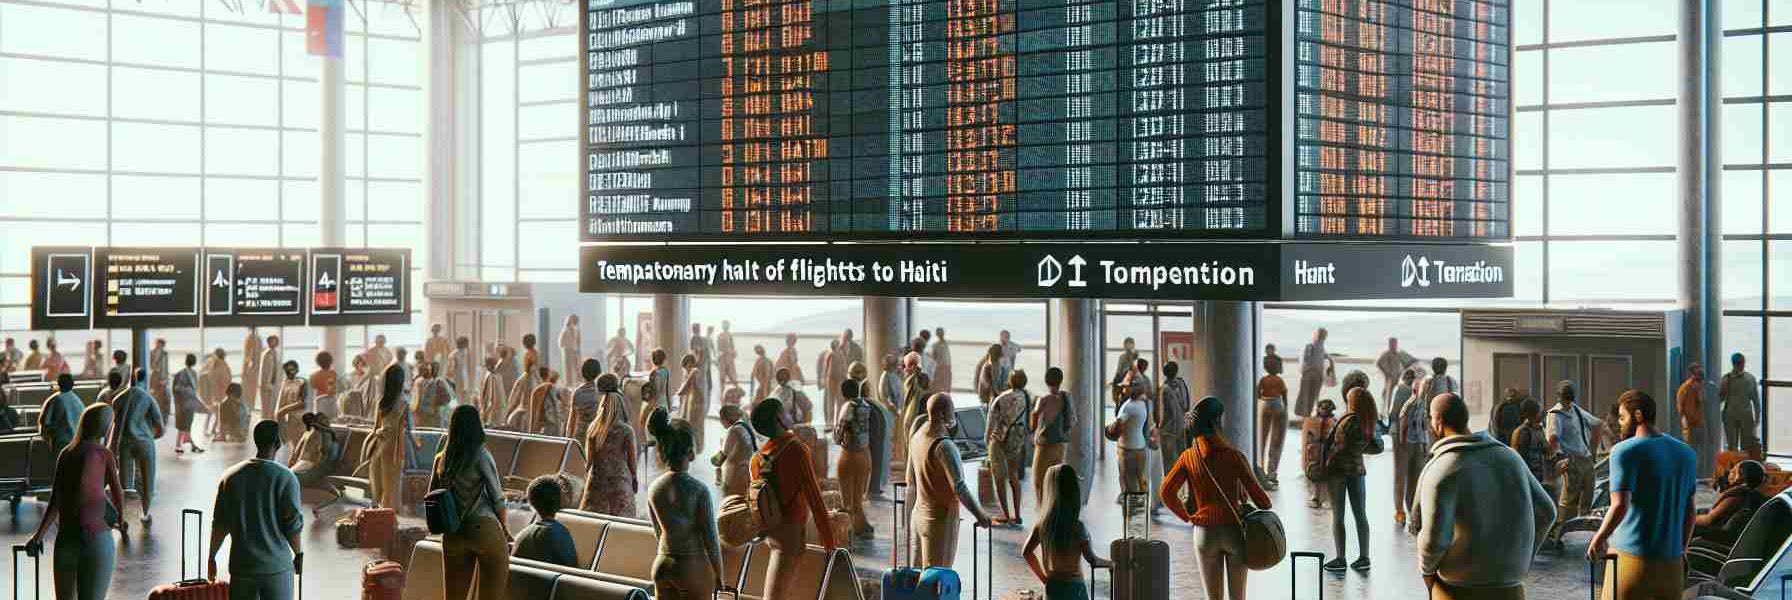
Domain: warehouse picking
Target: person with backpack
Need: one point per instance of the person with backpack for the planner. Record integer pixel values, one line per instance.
(1574, 435)
(1345, 472)
(1052, 420)
(610, 478)
(86, 496)
(937, 487)
(1506, 417)
(1006, 439)
(738, 445)
(1175, 415)
(481, 543)
(852, 430)
(257, 509)
(1214, 474)
(1411, 434)
(784, 494)
(1314, 431)
(1063, 538)
(689, 563)
(1532, 445)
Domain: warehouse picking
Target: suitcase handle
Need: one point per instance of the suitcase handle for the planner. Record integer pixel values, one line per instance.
(37, 567)
(1092, 570)
(1593, 576)
(900, 542)
(730, 590)
(1127, 500)
(1294, 571)
(199, 518)
(989, 543)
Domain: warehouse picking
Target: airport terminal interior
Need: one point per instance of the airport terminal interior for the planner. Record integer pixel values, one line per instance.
(939, 299)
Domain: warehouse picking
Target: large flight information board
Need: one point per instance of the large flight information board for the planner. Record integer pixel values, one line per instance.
(954, 119)
(1402, 124)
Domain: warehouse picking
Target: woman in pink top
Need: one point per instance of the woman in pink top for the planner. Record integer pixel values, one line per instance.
(86, 478)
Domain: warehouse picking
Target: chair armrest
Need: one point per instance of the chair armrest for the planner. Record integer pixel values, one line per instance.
(1737, 572)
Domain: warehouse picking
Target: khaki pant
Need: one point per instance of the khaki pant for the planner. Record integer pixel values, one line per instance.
(1134, 469)
(854, 467)
(683, 578)
(786, 544)
(1445, 591)
(1272, 428)
(386, 473)
(1409, 462)
(734, 478)
(936, 539)
(1740, 433)
(1639, 578)
(695, 411)
(478, 548)
(1045, 456)
(1577, 493)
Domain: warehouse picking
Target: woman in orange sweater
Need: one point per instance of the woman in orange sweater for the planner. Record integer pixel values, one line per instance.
(1215, 473)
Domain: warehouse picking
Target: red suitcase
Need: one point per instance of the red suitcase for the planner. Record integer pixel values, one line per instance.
(382, 580)
(198, 588)
(376, 526)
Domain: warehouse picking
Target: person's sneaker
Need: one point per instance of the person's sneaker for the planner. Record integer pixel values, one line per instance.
(1335, 565)
(1361, 564)
(198, 450)
(177, 450)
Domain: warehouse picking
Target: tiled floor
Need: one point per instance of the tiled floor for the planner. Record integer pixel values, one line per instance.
(149, 556)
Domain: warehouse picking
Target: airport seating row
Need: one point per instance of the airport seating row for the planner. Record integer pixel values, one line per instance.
(520, 457)
(528, 579)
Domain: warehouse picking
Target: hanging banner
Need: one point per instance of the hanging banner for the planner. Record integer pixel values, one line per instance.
(323, 28)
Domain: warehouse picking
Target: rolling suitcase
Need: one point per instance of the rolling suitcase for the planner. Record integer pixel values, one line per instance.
(197, 588)
(1141, 564)
(1294, 573)
(910, 583)
(375, 527)
(19, 553)
(382, 580)
(818, 450)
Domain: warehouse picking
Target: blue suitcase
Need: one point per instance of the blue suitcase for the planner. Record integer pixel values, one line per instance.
(910, 583)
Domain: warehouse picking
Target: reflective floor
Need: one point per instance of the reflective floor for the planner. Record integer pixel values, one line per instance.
(150, 555)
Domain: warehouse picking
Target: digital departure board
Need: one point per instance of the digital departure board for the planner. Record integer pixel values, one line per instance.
(145, 287)
(971, 120)
(955, 119)
(255, 286)
(360, 286)
(1402, 124)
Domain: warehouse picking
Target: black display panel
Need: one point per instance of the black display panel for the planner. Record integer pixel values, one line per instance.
(359, 286)
(145, 287)
(61, 287)
(941, 119)
(1402, 118)
(254, 286)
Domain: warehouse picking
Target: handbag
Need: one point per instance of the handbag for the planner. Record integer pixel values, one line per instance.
(1265, 541)
(442, 511)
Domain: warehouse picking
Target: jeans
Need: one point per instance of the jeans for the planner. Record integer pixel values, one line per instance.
(83, 563)
(138, 457)
(1350, 487)
(277, 586)
(1220, 550)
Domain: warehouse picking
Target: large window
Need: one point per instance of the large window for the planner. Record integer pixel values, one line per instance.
(175, 123)
(528, 143)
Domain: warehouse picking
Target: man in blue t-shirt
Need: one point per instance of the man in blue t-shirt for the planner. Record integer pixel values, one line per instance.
(1653, 478)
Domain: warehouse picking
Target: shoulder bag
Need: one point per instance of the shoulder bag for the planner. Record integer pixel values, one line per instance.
(1265, 541)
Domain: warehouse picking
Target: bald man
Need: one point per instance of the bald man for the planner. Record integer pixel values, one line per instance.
(937, 488)
(1472, 503)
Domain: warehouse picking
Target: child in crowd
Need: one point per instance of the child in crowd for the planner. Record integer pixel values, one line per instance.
(1313, 433)
(546, 540)
(233, 416)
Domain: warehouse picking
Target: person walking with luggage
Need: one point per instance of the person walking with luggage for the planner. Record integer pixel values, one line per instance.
(137, 426)
(1740, 395)
(84, 492)
(610, 479)
(546, 539)
(186, 402)
(1006, 440)
(481, 546)
(937, 487)
(689, 563)
(1063, 538)
(1214, 475)
(1051, 422)
(60, 414)
(1272, 419)
(257, 509)
(1313, 363)
(852, 430)
(1350, 439)
(1478, 512)
(1653, 480)
(390, 442)
(784, 463)
(1411, 429)
(1573, 434)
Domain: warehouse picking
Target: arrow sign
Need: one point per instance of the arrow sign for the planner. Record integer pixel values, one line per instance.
(63, 278)
(1076, 271)
(220, 281)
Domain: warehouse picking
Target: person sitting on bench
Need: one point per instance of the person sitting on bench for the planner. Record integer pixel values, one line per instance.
(319, 450)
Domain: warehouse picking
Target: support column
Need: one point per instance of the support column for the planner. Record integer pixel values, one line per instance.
(443, 211)
(885, 329)
(672, 331)
(331, 175)
(1700, 243)
(1224, 349)
(1078, 353)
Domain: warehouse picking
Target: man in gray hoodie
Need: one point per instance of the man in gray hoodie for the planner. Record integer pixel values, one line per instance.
(1472, 491)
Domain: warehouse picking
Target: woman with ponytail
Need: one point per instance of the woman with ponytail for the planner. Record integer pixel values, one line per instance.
(391, 441)
(610, 480)
(1217, 476)
(689, 564)
(1061, 534)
